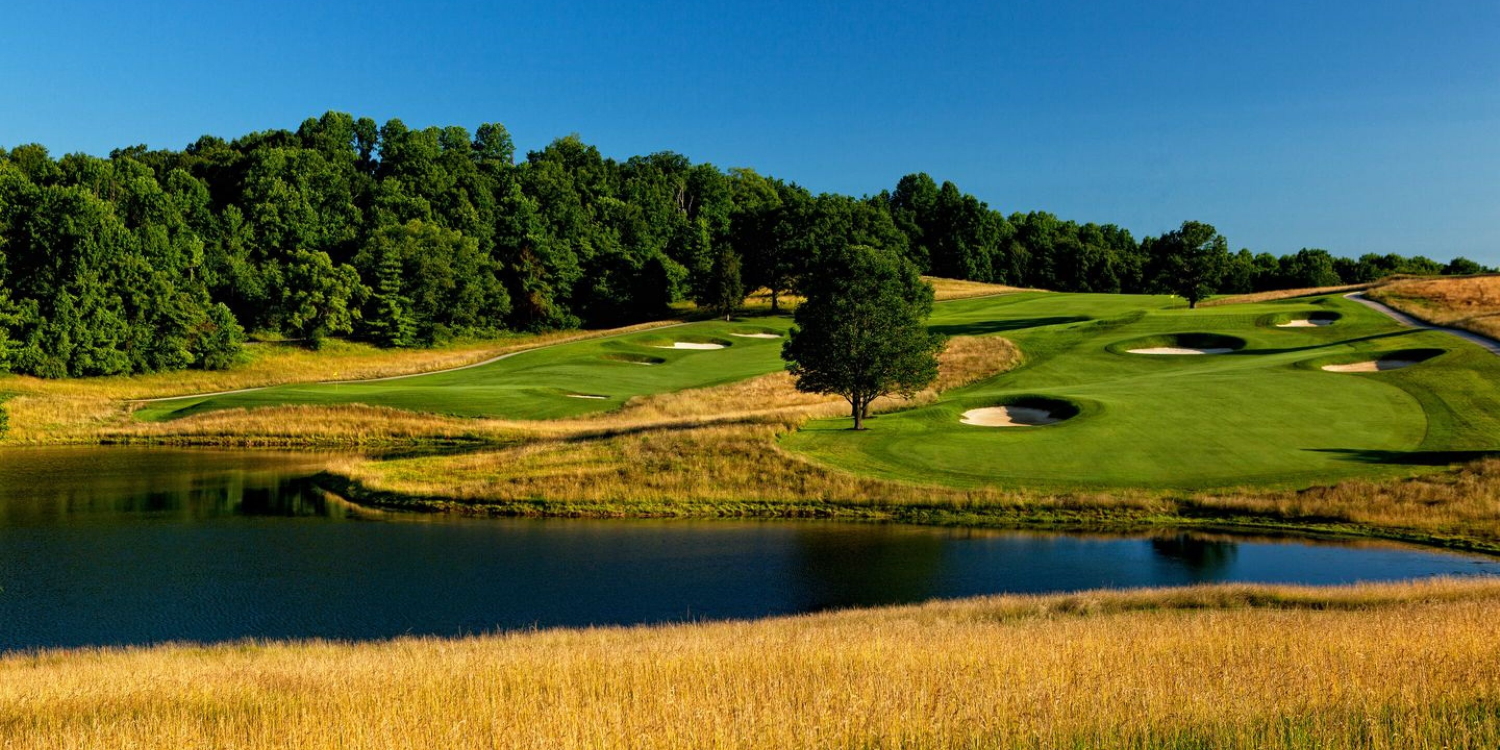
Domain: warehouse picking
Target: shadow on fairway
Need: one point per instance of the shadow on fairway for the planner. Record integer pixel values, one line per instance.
(1000, 326)
(1406, 458)
(1326, 344)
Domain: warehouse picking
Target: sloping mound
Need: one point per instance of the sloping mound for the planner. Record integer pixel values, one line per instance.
(1385, 361)
(635, 359)
(1180, 344)
(1304, 319)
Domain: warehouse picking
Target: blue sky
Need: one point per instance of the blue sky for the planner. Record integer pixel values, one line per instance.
(1354, 126)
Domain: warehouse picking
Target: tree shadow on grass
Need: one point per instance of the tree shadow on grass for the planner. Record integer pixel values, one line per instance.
(1407, 458)
(982, 327)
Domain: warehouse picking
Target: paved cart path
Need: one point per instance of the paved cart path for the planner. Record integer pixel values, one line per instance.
(1486, 342)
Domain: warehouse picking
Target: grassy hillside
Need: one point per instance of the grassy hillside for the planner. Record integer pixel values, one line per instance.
(1263, 414)
(543, 383)
(1471, 303)
(546, 382)
(1392, 666)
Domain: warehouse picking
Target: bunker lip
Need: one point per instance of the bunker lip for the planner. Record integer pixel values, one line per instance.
(1021, 411)
(1374, 365)
(1385, 361)
(1009, 416)
(1180, 344)
(635, 359)
(586, 395)
(1175, 350)
(1305, 320)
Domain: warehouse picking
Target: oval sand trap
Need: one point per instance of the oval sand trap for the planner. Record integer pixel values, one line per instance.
(1305, 323)
(690, 345)
(585, 395)
(1374, 365)
(1177, 350)
(1009, 416)
(756, 335)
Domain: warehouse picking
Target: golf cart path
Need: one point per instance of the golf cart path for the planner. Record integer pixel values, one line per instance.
(1487, 343)
(470, 366)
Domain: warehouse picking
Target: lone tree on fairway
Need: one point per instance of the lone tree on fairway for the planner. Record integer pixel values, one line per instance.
(1191, 261)
(861, 332)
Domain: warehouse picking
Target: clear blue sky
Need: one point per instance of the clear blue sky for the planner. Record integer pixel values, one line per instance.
(1367, 126)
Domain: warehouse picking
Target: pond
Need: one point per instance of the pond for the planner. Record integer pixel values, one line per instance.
(106, 546)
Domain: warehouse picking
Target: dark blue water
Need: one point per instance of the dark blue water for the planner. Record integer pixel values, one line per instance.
(126, 546)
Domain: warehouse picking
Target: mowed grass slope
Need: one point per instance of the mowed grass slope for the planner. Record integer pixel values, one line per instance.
(543, 383)
(1263, 415)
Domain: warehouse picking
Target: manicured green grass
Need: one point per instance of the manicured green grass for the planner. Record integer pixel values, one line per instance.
(1263, 415)
(542, 383)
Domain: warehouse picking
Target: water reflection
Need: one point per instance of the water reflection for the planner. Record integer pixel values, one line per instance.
(112, 546)
(1205, 558)
(880, 565)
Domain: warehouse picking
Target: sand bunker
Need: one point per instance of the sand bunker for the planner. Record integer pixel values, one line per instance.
(1177, 350)
(585, 395)
(690, 345)
(1305, 323)
(756, 335)
(1009, 416)
(1374, 365)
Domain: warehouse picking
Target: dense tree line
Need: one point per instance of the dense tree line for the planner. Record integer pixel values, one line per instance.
(155, 260)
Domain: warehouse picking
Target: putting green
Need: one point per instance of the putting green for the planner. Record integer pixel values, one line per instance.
(544, 383)
(1262, 414)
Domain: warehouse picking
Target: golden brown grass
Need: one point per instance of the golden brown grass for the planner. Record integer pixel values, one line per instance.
(945, 289)
(1283, 294)
(278, 364)
(50, 418)
(1387, 666)
(1450, 505)
(1471, 303)
(737, 468)
(759, 300)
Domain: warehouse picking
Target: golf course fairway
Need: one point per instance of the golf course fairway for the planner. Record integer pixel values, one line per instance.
(1147, 393)
(1264, 413)
(550, 382)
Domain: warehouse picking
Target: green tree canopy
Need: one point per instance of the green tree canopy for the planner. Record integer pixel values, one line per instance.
(1190, 261)
(861, 332)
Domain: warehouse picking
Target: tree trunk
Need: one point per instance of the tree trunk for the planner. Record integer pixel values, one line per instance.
(857, 410)
(774, 307)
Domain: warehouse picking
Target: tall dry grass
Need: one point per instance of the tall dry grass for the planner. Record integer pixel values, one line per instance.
(51, 418)
(1282, 294)
(269, 364)
(1456, 505)
(1471, 303)
(1390, 666)
(946, 289)
(759, 300)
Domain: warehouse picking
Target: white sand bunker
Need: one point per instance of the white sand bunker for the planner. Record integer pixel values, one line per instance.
(756, 335)
(1374, 365)
(585, 395)
(1009, 416)
(1306, 323)
(690, 345)
(1178, 350)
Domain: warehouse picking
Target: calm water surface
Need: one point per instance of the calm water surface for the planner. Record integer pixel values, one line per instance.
(126, 546)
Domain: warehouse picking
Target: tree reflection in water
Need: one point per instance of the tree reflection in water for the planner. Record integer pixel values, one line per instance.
(1203, 557)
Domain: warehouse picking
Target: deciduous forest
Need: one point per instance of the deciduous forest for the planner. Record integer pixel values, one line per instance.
(155, 260)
